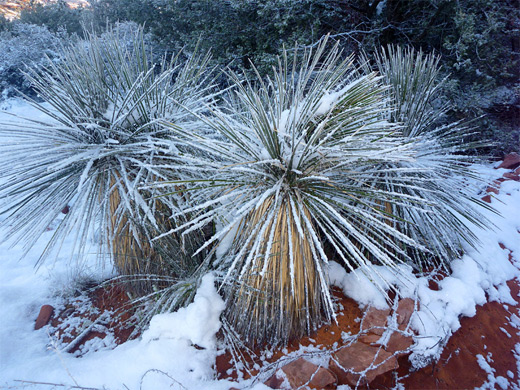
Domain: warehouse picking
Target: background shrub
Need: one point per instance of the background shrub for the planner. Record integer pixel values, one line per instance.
(478, 40)
(25, 44)
(56, 16)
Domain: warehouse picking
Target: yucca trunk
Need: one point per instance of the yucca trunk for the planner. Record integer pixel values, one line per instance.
(132, 253)
(278, 297)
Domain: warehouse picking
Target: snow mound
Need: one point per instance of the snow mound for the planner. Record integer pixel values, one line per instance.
(198, 322)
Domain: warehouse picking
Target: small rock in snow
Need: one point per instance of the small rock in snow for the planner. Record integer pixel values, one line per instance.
(492, 189)
(357, 364)
(511, 161)
(398, 342)
(512, 176)
(44, 317)
(303, 373)
(487, 198)
(375, 320)
(405, 310)
(369, 338)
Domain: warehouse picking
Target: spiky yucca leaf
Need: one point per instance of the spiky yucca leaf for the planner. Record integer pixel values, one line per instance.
(416, 83)
(294, 162)
(103, 105)
(441, 159)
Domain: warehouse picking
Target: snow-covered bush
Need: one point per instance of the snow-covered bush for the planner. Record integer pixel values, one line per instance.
(302, 158)
(104, 103)
(322, 153)
(444, 221)
(25, 44)
(126, 32)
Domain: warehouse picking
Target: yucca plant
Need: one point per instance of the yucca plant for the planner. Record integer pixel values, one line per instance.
(444, 222)
(103, 105)
(293, 165)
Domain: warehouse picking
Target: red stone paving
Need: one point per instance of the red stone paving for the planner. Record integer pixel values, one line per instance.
(328, 336)
(458, 367)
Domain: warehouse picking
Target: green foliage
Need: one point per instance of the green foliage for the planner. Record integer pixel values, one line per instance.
(108, 12)
(237, 32)
(55, 16)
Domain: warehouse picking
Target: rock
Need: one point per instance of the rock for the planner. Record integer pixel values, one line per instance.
(369, 338)
(492, 189)
(404, 311)
(274, 382)
(398, 342)
(511, 161)
(375, 320)
(487, 198)
(44, 317)
(512, 176)
(349, 362)
(495, 186)
(300, 373)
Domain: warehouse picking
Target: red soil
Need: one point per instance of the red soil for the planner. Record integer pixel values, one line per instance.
(111, 298)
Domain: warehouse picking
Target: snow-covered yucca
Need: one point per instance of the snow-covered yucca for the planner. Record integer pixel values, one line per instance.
(293, 163)
(444, 222)
(93, 150)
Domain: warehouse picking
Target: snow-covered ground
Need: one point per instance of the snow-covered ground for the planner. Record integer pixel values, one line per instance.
(166, 357)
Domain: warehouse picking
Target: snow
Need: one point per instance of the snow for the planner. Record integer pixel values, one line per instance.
(179, 349)
(492, 381)
(204, 311)
(329, 100)
(357, 285)
(165, 351)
